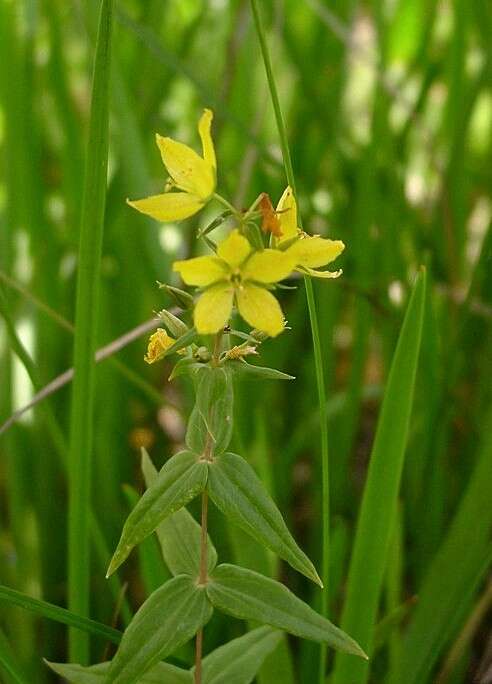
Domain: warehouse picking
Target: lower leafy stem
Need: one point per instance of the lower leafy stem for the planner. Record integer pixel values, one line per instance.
(203, 572)
(202, 580)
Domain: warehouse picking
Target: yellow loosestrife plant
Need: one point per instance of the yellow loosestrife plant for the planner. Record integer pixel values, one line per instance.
(239, 276)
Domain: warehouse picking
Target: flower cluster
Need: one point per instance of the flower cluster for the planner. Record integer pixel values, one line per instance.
(245, 266)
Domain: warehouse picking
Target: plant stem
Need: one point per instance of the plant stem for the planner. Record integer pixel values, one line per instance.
(225, 203)
(202, 579)
(198, 656)
(203, 575)
(313, 318)
(203, 540)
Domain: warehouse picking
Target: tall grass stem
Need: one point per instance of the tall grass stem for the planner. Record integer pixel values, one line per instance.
(82, 403)
(313, 318)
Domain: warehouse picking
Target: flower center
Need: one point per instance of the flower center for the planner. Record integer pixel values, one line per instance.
(235, 277)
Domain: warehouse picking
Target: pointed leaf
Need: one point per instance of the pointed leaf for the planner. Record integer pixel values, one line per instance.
(251, 596)
(238, 492)
(239, 661)
(188, 366)
(170, 617)
(179, 535)
(248, 369)
(52, 612)
(97, 674)
(378, 508)
(455, 572)
(179, 481)
(210, 424)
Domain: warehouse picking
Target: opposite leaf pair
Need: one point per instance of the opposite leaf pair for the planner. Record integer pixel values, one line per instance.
(175, 612)
(238, 662)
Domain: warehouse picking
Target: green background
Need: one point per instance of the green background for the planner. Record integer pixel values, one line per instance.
(388, 109)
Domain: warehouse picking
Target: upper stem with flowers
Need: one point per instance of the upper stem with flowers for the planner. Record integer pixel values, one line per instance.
(245, 267)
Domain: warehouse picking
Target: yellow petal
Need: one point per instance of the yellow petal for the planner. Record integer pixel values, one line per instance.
(260, 309)
(159, 343)
(213, 309)
(201, 271)
(170, 206)
(287, 214)
(207, 143)
(268, 266)
(234, 249)
(312, 252)
(190, 172)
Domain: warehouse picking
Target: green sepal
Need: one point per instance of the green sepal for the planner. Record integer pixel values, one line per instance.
(247, 595)
(179, 535)
(169, 618)
(248, 369)
(218, 221)
(181, 479)
(174, 324)
(210, 424)
(97, 674)
(238, 492)
(182, 298)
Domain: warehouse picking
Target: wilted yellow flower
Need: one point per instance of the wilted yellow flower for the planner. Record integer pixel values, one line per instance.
(237, 274)
(159, 343)
(192, 175)
(309, 251)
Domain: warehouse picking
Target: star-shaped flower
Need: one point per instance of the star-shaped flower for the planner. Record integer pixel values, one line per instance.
(237, 275)
(309, 252)
(193, 178)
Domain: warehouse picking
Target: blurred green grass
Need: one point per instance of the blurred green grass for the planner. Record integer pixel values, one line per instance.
(388, 108)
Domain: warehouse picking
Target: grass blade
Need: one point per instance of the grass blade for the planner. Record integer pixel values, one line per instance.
(90, 247)
(8, 663)
(458, 566)
(52, 612)
(379, 503)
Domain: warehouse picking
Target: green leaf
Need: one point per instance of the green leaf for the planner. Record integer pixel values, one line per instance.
(179, 481)
(248, 595)
(86, 319)
(455, 571)
(152, 569)
(97, 674)
(210, 424)
(179, 535)
(62, 615)
(170, 617)
(185, 367)
(238, 492)
(248, 369)
(379, 503)
(9, 664)
(238, 661)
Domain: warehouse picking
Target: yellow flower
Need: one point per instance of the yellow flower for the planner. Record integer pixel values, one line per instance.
(192, 175)
(159, 343)
(308, 251)
(237, 274)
